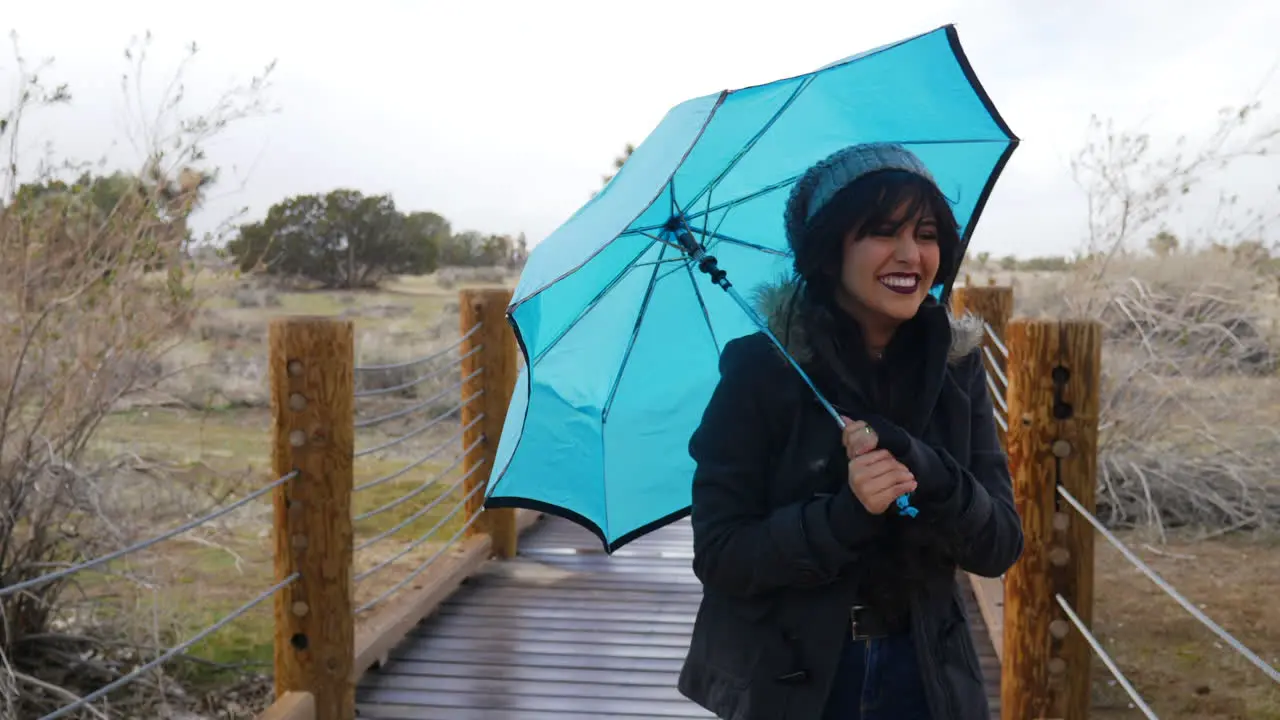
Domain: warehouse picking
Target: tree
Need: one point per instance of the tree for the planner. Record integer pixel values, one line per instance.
(519, 253)
(343, 239)
(619, 161)
(1163, 243)
(104, 199)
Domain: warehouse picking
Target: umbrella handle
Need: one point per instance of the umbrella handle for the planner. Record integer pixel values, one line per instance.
(903, 503)
(707, 264)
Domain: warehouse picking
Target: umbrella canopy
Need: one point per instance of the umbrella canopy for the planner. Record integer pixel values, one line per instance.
(621, 325)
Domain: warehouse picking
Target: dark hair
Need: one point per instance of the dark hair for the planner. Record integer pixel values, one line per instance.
(870, 201)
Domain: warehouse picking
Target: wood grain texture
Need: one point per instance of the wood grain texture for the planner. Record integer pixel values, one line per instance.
(498, 362)
(1054, 373)
(312, 398)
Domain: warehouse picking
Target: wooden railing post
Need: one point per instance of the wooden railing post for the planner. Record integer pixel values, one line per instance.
(497, 362)
(312, 367)
(1054, 376)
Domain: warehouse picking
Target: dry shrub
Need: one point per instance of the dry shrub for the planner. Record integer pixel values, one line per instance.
(1190, 397)
(450, 277)
(92, 297)
(392, 381)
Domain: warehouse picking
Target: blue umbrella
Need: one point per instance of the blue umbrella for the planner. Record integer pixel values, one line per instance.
(621, 313)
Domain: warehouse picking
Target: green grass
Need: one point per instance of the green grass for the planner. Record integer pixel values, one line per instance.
(198, 584)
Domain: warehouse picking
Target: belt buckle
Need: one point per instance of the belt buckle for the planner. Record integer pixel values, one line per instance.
(853, 620)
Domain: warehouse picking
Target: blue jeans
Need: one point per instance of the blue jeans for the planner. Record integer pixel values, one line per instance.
(878, 679)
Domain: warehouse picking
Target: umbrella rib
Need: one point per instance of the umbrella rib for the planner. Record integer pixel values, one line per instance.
(787, 181)
(591, 305)
(702, 304)
(735, 241)
(728, 168)
(635, 332)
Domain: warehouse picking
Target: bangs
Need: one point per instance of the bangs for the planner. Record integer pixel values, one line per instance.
(885, 199)
(893, 198)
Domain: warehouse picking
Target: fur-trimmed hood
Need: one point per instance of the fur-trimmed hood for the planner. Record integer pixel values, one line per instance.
(773, 301)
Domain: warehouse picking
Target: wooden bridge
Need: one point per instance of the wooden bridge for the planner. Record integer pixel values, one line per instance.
(524, 616)
(563, 632)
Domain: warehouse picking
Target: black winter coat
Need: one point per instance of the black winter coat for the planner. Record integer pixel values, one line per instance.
(779, 538)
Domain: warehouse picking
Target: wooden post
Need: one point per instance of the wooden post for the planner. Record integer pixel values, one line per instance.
(1055, 371)
(497, 363)
(312, 366)
(992, 303)
(995, 306)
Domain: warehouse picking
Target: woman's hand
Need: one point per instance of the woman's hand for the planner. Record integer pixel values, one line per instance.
(876, 477)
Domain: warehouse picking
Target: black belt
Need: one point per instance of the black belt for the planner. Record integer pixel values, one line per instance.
(866, 623)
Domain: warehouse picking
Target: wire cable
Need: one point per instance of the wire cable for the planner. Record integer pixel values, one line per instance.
(420, 429)
(378, 420)
(420, 379)
(435, 451)
(995, 339)
(418, 571)
(996, 395)
(423, 537)
(421, 488)
(50, 577)
(170, 653)
(416, 514)
(428, 358)
(994, 367)
(1169, 589)
(1106, 659)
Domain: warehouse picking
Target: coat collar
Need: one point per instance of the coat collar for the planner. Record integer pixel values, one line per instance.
(949, 340)
(774, 302)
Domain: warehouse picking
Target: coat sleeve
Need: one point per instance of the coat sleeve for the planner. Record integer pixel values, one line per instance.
(742, 545)
(971, 509)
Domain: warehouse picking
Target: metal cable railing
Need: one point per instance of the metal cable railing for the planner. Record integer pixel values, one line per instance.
(996, 340)
(997, 381)
(86, 701)
(136, 547)
(427, 535)
(430, 454)
(421, 428)
(1164, 585)
(170, 653)
(462, 485)
(428, 483)
(425, 359)
(434, 556)
(1106, 658)
(372, 392)
(378, 420)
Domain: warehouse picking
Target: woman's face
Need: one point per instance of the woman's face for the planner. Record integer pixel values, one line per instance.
(888, 270)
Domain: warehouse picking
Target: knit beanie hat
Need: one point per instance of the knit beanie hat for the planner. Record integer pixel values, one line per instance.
(824, 179)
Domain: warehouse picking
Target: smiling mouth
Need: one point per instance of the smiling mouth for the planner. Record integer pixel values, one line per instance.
(901, 283)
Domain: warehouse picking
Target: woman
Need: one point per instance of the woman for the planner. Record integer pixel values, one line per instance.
(821, 601)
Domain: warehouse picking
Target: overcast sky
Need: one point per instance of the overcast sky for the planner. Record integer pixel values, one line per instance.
(503, 116)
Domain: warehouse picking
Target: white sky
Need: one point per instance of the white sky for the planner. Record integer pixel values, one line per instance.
(503, 116)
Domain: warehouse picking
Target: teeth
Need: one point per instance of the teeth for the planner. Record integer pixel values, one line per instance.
(900, 281)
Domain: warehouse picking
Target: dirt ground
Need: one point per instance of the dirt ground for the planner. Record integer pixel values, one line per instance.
(1180, 667)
